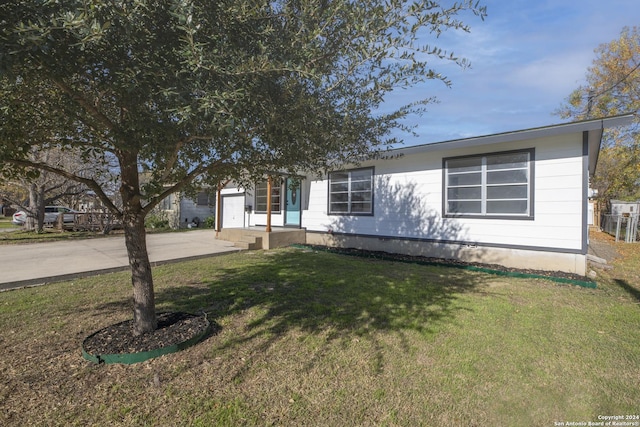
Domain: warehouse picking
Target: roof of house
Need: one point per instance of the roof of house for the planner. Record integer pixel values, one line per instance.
(593, 127)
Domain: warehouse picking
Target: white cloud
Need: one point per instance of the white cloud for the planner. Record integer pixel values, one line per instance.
(553, 74)
(527, 57)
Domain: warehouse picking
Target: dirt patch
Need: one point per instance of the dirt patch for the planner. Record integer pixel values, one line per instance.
(173, 328)
(603, 246)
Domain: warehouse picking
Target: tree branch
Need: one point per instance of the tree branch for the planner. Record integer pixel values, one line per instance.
(178, 186)
(88, 106)
(86, 181)
(173, 158)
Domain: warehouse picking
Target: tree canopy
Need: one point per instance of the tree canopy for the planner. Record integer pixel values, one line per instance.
(612, 88)
(189, 92)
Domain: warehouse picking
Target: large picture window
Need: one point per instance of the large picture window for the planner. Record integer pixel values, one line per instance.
(261, 197)
(491, 185)
(351, 192)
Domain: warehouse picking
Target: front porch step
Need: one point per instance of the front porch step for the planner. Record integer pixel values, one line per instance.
(250, 243)
(254, 239)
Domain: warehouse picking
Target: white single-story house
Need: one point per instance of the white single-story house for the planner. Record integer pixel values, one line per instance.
(517, 199)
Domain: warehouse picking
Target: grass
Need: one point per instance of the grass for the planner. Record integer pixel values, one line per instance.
(51, 235)
(48, 235)
(308, 338)
(5, 222)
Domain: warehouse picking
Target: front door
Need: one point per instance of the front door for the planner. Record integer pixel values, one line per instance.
(292, 213)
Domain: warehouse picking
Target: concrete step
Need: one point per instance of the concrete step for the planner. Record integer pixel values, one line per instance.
(251, 243)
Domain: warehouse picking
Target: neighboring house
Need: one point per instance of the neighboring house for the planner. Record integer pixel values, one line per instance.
(517, 199)
(620, 207)
(183, 212)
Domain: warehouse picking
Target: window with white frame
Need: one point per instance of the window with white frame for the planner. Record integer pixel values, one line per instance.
(261, 197)
(490, 185)
(351, 192)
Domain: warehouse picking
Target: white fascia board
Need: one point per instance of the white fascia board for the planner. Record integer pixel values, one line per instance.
(593, 126)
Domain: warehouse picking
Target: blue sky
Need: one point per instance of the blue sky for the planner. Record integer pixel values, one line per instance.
(526, 57)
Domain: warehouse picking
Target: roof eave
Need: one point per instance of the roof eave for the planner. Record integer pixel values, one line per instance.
(594, 126)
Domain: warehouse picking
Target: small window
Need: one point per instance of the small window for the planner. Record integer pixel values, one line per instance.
(351, 192)
(202, 199)
(261, 197)
(489, 185)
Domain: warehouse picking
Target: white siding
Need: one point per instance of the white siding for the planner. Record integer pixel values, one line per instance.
(408, 200)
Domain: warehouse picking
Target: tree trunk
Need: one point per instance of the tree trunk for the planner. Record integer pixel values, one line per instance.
(35, 214)
(144, 308)
(40, 209)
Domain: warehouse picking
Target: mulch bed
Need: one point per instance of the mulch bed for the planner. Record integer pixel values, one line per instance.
(173, 328)
(388, 256)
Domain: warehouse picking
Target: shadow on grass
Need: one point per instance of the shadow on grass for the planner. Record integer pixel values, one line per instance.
(319, 292)
(634, 292)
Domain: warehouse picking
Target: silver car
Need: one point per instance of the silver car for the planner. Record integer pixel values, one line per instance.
(50, 215)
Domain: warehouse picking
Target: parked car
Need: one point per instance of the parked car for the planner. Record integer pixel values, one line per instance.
(50, 215)
(19, 218)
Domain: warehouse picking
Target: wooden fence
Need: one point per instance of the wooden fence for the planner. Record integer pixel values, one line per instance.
(87, 221)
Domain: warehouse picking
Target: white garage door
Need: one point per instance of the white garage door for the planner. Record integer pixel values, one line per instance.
(233, 211)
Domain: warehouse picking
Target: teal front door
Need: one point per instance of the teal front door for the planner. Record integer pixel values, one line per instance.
(292, 213)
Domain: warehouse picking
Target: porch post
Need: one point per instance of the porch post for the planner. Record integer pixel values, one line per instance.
(269, 186)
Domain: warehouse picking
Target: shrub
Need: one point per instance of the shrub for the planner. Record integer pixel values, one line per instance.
(209, 222)
(156, 221)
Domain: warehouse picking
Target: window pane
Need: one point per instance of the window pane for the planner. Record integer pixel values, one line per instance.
(339, 207)
(507, 192)
(361, 175)
(507, 207)
(339, 176)
(361, 197)
(464, 193)
(339, 197)
(469, 207)
(507, 177)
(465, 165)
(465, 179)
(364, 207)
(507, 161)
(361, 185)
(275, 199)
(339, 186)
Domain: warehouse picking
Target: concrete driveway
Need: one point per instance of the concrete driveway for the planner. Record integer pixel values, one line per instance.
(39, 263)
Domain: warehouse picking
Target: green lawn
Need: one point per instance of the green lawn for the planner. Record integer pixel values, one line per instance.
(5, 222)
(313, 338)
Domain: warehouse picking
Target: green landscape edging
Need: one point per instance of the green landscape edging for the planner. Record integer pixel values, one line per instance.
(515, 274)
(131, 358)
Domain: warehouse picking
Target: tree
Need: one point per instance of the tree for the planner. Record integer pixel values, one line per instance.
(193, 92)
(613, 87)
(48, 188)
